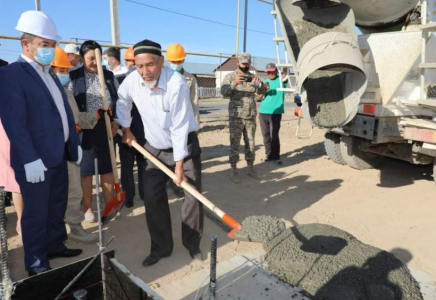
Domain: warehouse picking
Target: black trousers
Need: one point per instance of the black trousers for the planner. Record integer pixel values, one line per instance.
(270, 127)
(156, 200)
(128, 155)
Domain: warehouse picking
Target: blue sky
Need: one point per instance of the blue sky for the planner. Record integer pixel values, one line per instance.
(91, 19)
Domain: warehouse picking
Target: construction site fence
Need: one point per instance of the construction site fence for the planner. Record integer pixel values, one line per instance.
(204, 92)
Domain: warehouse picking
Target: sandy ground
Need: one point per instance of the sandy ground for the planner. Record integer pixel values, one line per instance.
(390, 208)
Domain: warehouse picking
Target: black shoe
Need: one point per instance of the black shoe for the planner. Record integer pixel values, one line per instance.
(65, 253)
(153, 259)
(128, 203)
(32, 272)
(196, 255)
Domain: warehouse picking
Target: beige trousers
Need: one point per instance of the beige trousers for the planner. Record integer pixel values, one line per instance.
(74, 211)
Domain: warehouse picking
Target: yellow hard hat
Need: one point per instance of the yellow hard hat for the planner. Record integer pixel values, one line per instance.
(176, 52)
(61, 59)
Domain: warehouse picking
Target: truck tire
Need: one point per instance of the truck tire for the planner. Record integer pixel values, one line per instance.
(332, 145)
(356, 158)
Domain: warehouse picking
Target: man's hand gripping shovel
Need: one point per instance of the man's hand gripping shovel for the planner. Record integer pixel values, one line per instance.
(232, 223)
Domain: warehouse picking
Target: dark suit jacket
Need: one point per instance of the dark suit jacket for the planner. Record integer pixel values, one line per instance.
(31, 118)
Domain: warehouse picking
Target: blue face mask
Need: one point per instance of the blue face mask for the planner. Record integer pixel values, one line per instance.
(45, 56)
(176, 68)
(64, 79)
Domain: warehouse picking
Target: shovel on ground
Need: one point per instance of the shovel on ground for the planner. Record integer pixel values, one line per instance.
(189, 188)
(116, 203)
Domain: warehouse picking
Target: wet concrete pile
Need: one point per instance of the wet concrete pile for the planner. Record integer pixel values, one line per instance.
(330, 264)
(325, 96)
(260, 228)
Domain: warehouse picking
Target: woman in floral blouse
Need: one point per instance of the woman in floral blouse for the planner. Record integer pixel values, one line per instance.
(85, 85)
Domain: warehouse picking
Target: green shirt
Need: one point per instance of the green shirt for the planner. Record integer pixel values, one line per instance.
(273, 103)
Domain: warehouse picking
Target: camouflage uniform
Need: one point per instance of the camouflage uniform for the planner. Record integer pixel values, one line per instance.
(242, 114)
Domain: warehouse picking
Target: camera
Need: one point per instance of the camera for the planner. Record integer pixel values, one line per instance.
(248, 78)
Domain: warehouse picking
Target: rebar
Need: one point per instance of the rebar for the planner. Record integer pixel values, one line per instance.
(100, 232)
(212, 283)
(6, 285)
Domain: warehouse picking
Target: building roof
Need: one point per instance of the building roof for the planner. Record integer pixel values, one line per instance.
(198, 68)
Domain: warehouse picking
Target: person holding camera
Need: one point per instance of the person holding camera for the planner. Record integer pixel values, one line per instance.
(242, 87)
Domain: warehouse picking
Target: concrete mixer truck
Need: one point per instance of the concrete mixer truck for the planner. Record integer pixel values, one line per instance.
(373, 93)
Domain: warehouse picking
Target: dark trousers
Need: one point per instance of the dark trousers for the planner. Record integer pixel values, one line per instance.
(42, 224)
(127, 157)
(270, 127)
(156, 201)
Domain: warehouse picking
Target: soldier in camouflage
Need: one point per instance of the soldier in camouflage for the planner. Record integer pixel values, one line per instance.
(241, 87)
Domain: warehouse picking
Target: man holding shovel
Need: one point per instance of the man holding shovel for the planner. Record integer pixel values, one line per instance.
(162, 98)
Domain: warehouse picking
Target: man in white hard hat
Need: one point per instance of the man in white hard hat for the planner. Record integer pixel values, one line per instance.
(40, 126)
(74, 55)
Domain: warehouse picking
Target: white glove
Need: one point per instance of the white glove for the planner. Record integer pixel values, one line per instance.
(35, 171)
(80, 154)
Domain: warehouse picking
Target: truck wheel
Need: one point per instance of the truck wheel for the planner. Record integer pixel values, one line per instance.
(356, 158)
(332, 145)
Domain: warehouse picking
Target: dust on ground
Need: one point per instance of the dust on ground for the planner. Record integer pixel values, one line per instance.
(389, 208)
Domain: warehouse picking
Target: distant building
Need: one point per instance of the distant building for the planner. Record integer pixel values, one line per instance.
(203, 72)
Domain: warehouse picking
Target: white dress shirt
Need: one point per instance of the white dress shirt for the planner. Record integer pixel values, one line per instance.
(54, 91)
(120, 70)
(166, 112)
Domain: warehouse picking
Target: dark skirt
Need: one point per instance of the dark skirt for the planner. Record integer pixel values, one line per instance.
(95, 145)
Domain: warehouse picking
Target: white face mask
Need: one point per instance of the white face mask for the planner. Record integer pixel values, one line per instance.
(150, 84)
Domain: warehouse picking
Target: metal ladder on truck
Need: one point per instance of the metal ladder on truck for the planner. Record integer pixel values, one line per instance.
(427, 28)
(279, 40)
(423, 129)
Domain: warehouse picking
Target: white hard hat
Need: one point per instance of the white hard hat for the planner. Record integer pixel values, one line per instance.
(39, 24)
(72, 49)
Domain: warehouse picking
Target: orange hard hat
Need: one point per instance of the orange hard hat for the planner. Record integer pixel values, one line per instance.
(129, 54)
(176, 52)
(61, 59)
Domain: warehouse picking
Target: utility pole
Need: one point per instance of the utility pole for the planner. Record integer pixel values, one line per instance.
(245, 25)
(115, 24)
(37, 5)
(238, 26)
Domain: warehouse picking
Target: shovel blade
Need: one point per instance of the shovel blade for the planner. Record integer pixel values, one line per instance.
(243, 238)
(112, 208)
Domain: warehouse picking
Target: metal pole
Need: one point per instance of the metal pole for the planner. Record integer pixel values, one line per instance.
(37, 5)
(212, 283)
(423, 52)
(245, 25)
(115, 25)
(220, 70)
(238, 26)
(100, 232)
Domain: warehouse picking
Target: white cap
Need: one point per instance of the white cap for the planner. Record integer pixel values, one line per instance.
(72, 49)
(39, 24)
